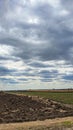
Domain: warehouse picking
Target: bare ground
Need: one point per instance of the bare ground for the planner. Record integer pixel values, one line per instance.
(50, 124)
(17, 108)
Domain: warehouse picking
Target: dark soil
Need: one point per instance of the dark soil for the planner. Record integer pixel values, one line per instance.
(16, 108)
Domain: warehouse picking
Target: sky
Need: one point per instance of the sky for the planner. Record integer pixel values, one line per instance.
(36, 44)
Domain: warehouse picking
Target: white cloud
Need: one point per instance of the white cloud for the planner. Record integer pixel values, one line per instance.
(64, 12)
(5, 50)
(33, 20)
(54, 3)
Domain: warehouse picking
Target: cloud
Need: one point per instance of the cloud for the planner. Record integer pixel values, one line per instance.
(37, 64)
(49, 33)
(9, 81)
(5, 71)
(68, 77)
(48, 74)
(35, 37)
(3, 7)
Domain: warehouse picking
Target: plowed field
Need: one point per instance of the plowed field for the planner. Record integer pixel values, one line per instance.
(17, 108)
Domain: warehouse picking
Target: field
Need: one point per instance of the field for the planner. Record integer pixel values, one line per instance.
(63, 96)
(36, 110)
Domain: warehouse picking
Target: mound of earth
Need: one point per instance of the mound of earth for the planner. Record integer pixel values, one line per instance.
(17, 108)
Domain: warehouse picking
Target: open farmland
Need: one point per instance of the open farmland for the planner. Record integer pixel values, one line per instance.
(44, 110)
(63, 96)
(20, 108)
